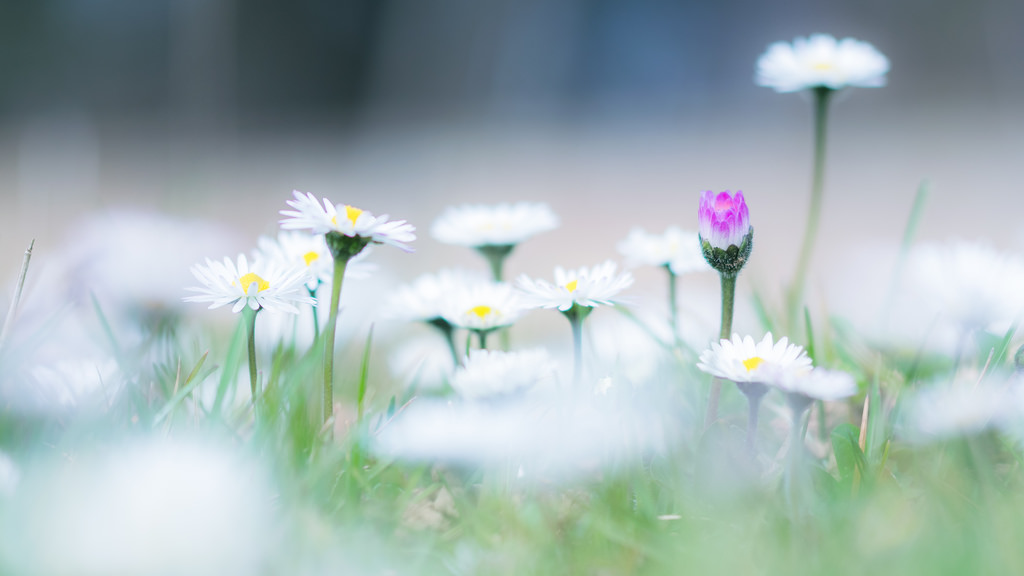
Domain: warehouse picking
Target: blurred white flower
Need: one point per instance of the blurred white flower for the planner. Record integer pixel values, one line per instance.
(676, 248)
(134, 259)
(629, 348)
(742, 360)
(308, 214)
(491, 373)
(821, 61)
(590, 287)
(962, 408)
(547, 435)
(149, 508)
(816, 384)
(500, 225)
(427, 297)
(484, 306)
(257, 286)
(968, 284)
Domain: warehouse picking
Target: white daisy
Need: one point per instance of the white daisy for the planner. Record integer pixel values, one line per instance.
(258, 286)
(968, 283)
(293, 248)
(964, 408)
(491, 373)
(353, 222)
(676, 248)
(500, 225)
(426, 298)
(821, 61)
(483, 307)
(817, 384)
(589, 287)
(741, 360)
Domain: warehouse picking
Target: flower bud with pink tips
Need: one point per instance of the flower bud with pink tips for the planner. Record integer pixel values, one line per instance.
(726, 236)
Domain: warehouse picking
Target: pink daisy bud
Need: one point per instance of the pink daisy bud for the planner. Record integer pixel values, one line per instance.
(726, 235)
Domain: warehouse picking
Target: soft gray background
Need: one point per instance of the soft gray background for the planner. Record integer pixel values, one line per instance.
(616, 112)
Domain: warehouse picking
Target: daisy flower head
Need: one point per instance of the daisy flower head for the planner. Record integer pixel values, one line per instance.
(677, 249)
(294, 248)
(257, 286)
(742, 360)
(586, 287)
(348, 229)
(726, 236)
(802, 387)
(478, 225)
(972, 285)
(484, 306)
(821, 61)
(426, 298)
(494, 373)
(945, 410)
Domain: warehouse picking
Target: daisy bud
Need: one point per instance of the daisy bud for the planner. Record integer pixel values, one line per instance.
(726, 236)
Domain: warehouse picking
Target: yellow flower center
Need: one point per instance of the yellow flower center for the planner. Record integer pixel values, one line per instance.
(751, 363)
(310, 257)
(481, 311)
(252, 278)
(352, 214)
(571, 286)
(822, 65)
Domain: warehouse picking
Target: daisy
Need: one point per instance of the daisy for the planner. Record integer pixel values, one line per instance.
(479, 225)
(821, 61)
(429, 297)
(250, 289)
(493, 230)
(345, 220)
(256, 287)
(677, 251)
(348, 230)
(947, 411)
(753, 366)
(817, 384)
(483, 308)
(293, 248)
(675, 248)
(576, 293)
(493, 373)
(586, 287)
(970, 285)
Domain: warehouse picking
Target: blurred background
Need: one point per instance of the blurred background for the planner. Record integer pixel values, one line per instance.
(618, 113)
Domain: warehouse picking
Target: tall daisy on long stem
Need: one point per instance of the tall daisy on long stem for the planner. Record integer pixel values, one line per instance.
(726, 240)
(250, 288)
(821, 65)
(493, 231)
(576, 293)
(677, 251)
(753, 367)
(347, 230)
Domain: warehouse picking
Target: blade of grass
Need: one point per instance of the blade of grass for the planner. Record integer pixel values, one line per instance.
(16, 300)
(909, 231)
(810, 336)
(229, 371)
(183, 391)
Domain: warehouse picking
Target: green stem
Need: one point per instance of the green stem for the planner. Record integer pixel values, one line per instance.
(448, 332)
(728, 299)
(316, 318)
(796, 289)
(329, 332)
(250, 326)
(482, 335)
(673, 305)
(754, 393)
(576, 315)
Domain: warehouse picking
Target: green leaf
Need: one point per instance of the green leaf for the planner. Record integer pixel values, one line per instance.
(810, 335)
(849, 457)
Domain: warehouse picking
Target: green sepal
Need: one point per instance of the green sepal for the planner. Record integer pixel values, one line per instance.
(730, 261)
